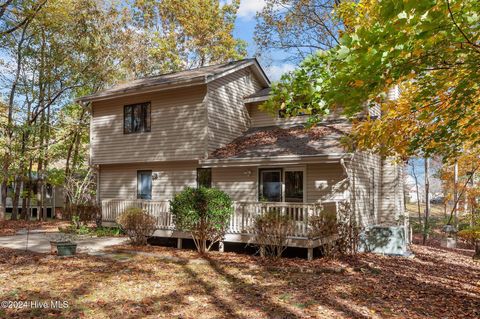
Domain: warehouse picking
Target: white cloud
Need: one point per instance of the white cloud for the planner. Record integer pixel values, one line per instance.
(274, 72)
(249, 8)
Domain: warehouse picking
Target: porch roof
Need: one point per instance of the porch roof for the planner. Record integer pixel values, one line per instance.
(275, 144)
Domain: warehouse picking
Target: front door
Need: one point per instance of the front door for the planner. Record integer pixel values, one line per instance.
(144, 184)
(271, 185)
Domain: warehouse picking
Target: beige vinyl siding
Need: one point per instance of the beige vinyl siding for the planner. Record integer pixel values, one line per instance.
(392, 206)
(120, 181)
(177, 128)
(239, 182)
(325, 173)
(365, 181)
(260, 118)
(227, 115)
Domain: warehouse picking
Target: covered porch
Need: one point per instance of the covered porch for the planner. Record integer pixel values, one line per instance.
(240, 228)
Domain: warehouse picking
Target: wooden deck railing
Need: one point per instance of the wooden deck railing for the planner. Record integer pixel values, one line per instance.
(241, 221)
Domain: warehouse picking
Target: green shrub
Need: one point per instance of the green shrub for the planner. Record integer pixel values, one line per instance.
(107, 231)
(203, 212)
(271, 231)
(137, 224)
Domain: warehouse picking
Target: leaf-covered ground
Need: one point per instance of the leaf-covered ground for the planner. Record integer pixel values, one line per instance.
(166, 282)
(10, 227)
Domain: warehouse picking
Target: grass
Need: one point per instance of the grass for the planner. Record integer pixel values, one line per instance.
(166, 282)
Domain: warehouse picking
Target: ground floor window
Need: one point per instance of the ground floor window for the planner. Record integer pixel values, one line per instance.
(204, 177)
(277, 185)
(144, 184)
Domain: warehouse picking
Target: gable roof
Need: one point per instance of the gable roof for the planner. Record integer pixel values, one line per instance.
(197, 76)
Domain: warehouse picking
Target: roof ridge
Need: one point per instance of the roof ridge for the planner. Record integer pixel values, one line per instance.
(195, 69)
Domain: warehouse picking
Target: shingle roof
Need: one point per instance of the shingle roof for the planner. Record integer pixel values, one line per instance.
(276, 141)
(200, 75)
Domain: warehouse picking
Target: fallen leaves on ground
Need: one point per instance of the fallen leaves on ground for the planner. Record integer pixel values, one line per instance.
(167, 282)
(10, 227)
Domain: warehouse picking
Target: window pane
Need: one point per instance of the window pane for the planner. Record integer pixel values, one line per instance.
(146, 117)
(127, 120)
(204, 177)
(271, 186)
(137, 118)
(294, 186)
(144, 184)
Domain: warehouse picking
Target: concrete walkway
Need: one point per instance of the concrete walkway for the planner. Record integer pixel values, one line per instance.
(40, 242)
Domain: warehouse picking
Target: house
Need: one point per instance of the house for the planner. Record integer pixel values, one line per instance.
(54, 200)
(152, 137)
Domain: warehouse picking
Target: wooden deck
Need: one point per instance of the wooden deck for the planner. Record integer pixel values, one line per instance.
(241, 223)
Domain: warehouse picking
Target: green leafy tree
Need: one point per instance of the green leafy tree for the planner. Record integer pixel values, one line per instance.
(174, 35)
(204, 212)
(430, 49)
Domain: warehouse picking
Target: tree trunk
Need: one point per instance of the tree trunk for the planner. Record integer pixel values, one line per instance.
(427, 201)
(9, 131)
(16, 197)
(455, 194)
(419, 208)
(477, 250)
(3, 205)
(23, 213)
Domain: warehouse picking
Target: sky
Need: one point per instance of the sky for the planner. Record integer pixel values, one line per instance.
(244, 29)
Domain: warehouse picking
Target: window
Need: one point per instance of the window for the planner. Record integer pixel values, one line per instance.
(277, 185)
(294, 186)
(270, 185)
(204, 177)
(136, 118)
(144, 184)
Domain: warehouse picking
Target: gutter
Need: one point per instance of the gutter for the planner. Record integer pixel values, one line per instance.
(143, 89)
(256, 99)
(275, 160)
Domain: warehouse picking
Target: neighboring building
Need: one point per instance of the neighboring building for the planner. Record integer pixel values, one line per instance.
(152, 137)
(54, 199)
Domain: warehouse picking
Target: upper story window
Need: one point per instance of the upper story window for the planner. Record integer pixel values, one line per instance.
(136, 118)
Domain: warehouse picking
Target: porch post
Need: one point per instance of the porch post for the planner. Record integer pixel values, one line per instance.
(262, 251)
(179, 243)
(221, 246)
(310, 254)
